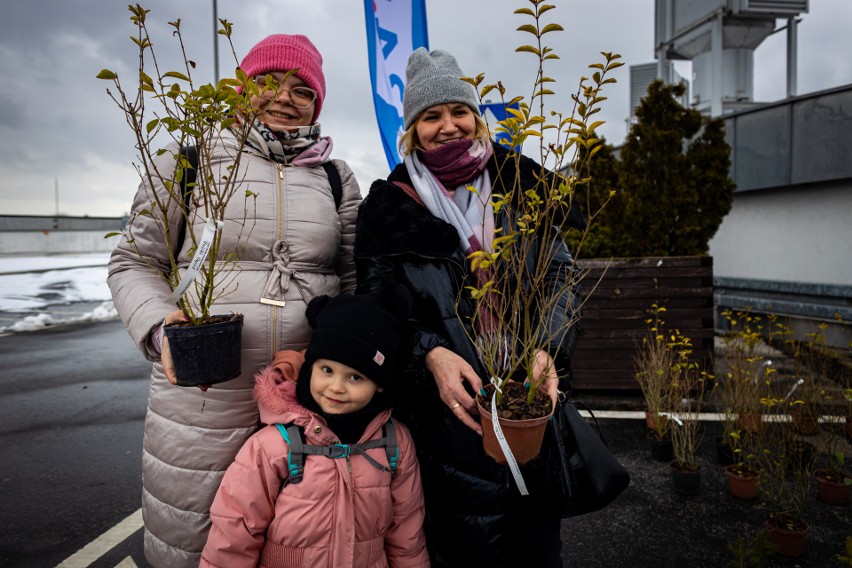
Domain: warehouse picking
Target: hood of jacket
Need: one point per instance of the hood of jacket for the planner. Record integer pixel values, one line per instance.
(275, 393)
(275, 390)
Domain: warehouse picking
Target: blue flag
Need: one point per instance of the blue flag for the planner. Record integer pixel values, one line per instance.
(498, 110)
(395, 28)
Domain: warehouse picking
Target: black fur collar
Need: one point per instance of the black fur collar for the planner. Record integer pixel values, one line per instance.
(390, 222)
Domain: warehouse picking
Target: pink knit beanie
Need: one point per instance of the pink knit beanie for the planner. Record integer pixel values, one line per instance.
(282, 52)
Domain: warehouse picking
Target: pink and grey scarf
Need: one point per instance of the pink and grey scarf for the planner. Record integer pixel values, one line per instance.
(442, 178)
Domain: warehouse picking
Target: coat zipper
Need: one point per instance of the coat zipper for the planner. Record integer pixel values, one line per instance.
(279, 234)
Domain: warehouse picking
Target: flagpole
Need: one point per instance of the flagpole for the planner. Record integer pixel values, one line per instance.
(215, 44)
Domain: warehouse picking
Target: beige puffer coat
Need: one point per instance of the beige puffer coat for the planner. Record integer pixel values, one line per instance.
(298, 247)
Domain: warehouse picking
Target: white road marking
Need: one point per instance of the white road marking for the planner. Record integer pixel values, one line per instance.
(106, 542)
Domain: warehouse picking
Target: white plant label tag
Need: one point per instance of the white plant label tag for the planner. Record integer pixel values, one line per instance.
(504, 445)
(210, 228)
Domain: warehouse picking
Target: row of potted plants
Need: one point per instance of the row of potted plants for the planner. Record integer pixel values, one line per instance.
(768, 452)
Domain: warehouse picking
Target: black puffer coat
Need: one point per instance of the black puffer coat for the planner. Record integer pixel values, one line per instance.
(472, 503)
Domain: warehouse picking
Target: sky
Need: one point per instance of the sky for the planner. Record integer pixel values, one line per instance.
(64, 146)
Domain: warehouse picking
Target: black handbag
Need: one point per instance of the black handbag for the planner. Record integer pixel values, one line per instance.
(575, 473)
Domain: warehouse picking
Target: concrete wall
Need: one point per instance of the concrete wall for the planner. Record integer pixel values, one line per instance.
(796, 235)
(55, 242)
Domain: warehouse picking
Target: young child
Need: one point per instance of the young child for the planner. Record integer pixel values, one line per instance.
(346, 511)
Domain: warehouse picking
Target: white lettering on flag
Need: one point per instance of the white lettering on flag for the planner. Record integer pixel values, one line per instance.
(395, 28)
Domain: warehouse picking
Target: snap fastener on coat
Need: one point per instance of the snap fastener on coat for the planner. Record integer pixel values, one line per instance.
(317, 429)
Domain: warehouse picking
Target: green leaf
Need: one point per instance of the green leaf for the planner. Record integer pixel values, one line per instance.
(114, 233)
(107, 74)
(527, 48)
(528, 28)
(525, 11)
(151, 125)
(552, 28)
(176, 75)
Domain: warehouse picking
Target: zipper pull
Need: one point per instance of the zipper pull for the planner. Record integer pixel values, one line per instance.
(349, 464)
(280, 171)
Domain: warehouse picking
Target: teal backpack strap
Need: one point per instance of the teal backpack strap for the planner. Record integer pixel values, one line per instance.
(292, 434)
(392, 447)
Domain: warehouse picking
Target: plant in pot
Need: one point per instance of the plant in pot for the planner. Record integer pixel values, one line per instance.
(807, 395)
(785, 482)
(525, 298)
(832, 478)
(176, 123)
(742, 475)
(751, 552)
(686, 429)
(655, 362)
(847, 399)
(746, 378)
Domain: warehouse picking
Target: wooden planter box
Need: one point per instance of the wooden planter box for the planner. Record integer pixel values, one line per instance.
(615, 314)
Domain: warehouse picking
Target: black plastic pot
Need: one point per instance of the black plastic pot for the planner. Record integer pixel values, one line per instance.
(661, 450)
(724, 452)
(686, 482)
(206, 354)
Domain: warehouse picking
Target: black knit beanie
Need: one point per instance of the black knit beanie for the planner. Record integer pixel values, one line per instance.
(360, 332)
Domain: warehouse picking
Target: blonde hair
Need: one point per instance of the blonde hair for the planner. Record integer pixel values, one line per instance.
(409, 141)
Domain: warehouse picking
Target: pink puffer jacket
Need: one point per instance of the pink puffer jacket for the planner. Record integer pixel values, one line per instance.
(344, 512)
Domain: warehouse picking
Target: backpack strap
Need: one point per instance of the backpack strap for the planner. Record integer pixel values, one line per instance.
(388, 442)
(334, 180)
(295, 439)
(294, 436)
(187, 184)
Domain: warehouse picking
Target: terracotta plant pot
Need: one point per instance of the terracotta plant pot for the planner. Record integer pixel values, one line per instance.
(523, 436)
(652, 420)
(831, 489)
(686, 481)
(788, 533)
(206, 354)
(806, 423)
(751, 422)
(741, 486)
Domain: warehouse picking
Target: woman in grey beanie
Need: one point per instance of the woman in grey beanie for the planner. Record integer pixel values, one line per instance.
(416, 229)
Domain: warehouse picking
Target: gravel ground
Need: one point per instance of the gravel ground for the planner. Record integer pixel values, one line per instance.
(651, 525)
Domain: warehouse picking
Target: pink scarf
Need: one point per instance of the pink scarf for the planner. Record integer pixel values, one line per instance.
(454, 163)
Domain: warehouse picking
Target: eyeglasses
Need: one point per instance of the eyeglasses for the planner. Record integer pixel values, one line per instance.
(300, 97)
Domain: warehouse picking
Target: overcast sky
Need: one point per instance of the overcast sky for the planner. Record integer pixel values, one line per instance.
(59, 129)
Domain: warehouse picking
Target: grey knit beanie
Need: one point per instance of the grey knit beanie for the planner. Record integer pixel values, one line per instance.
(434, 79)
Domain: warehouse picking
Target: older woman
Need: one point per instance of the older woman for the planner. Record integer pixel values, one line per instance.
(300, 246)
(416, 229)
